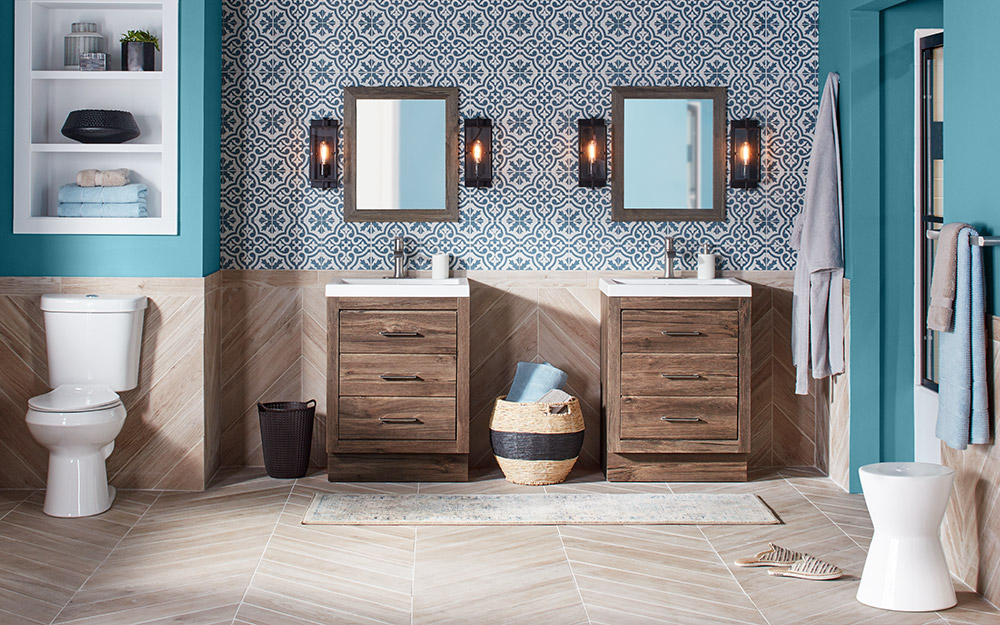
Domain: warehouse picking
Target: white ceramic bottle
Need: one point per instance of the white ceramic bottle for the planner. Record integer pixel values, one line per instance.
(439, 266)
(706, 263)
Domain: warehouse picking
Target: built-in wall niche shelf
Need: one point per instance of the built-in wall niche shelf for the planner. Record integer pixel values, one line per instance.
(45, 92)
(75, 74)
(98, 148)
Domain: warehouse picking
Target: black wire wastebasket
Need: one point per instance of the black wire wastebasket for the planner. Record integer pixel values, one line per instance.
(286, 436)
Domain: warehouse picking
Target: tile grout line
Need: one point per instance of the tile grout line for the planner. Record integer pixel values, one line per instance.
(825, 515)
(110, 551)
(263, 551)
(731, 574)
(569, 563)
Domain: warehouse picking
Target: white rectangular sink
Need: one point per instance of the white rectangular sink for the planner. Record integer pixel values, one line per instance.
(397, 287)
(674, 287)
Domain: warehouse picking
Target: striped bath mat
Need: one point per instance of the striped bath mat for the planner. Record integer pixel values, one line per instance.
(539, 509)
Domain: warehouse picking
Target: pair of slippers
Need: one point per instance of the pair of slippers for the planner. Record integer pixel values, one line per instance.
(788, 563)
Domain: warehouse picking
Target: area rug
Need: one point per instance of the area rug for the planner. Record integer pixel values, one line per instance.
(539, 509)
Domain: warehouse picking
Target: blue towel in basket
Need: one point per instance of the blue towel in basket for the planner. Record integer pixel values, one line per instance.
(533, 379)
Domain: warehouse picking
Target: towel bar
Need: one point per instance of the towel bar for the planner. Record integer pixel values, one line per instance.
(980, 240)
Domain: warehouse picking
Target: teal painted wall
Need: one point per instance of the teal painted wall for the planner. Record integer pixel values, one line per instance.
(897, 199)
(972, 136)
(870, 44)
(194, 251)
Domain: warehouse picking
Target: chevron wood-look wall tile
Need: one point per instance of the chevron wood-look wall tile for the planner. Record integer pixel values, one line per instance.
(761, 379)
(971, 532)
(166, 410)
(260, 361)
(793, 416)
(504, 331)
(314, 363)
(213, 382)
(23, 462)
(840, 408)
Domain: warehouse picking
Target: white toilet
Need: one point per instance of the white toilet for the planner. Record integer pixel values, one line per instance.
(906, 569)
(93, 346)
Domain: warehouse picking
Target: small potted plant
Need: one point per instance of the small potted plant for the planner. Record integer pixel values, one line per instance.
(139, 51)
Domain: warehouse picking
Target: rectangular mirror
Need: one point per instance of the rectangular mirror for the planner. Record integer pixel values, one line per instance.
(668, 154)
(400, 154)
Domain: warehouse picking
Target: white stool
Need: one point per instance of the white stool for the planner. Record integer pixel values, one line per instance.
(906, 570)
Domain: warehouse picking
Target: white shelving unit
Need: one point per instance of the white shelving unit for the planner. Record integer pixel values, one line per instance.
(45, 92)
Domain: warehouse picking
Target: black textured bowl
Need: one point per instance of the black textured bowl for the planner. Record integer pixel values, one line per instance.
(97, 126)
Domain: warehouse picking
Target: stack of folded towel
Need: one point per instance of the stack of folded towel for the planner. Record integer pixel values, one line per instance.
(534, 382)
(122, 201)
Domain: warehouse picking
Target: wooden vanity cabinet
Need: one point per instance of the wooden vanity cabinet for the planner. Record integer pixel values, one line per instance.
(398, 389)
(675, 378)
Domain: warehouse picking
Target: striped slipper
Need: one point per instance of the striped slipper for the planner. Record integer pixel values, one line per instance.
(809, 568)
(773, 556)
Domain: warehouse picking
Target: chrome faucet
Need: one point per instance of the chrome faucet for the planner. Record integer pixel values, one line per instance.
(398, 259)
(669, 254)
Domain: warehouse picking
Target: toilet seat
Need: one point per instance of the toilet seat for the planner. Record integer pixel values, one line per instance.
(75, 398)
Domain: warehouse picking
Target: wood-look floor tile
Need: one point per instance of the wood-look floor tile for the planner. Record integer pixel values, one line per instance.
(125, 596)
(304, 610)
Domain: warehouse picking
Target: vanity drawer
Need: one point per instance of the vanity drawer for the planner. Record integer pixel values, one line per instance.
(398, 331)
(679, 418)
(697, 375)
(398, 375)
(680, 331)
(397, 418)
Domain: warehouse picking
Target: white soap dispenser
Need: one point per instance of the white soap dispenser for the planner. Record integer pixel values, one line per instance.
(706, 263)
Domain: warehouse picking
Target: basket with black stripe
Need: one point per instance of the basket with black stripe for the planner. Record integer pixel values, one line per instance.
(536, 443)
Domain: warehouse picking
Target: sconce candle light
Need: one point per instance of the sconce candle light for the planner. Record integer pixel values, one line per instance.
(478, 152)
(744, 162)
(593, 152)
(323, 153)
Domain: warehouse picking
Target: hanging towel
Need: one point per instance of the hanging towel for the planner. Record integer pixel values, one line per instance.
(818, 295)
(533, 380)
(943, 278)
(126, 194)
(133, 209)
(963, 408)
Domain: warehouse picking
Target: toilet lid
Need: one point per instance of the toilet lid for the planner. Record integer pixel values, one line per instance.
(75, 398)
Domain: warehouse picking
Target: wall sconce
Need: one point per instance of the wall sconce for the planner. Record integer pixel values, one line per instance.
(478, 152)
(744, 161)
(593, 152)
(323, 153)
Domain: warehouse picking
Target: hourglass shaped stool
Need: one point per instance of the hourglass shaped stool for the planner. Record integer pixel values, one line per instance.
(906, 570)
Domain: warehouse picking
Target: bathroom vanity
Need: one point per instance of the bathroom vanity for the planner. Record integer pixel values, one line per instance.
(675, 377)
(398, 380)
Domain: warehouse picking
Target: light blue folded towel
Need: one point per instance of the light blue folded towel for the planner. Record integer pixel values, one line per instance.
(963, 408)
(533, 379)
(133, 209)
(127, 194)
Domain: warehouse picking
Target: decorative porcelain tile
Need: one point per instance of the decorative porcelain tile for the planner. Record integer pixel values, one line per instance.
(534, 67)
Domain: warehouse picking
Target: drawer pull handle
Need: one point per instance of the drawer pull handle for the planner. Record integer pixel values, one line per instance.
(393, 335)
(389, 377)
(680, 333)
(680, 376)
(399, 420)
(680, 419)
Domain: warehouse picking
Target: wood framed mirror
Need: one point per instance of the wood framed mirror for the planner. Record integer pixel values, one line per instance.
(401, 154)
(668, 154)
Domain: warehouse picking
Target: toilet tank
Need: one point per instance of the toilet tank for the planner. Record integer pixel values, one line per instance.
(94, 339)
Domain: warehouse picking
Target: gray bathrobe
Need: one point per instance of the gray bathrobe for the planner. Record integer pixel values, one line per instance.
(818, 298)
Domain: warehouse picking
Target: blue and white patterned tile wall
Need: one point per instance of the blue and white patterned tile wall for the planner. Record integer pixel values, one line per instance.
(534, 67)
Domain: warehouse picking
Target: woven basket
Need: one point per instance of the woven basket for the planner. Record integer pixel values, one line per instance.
(286, 436)
(532, 444)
